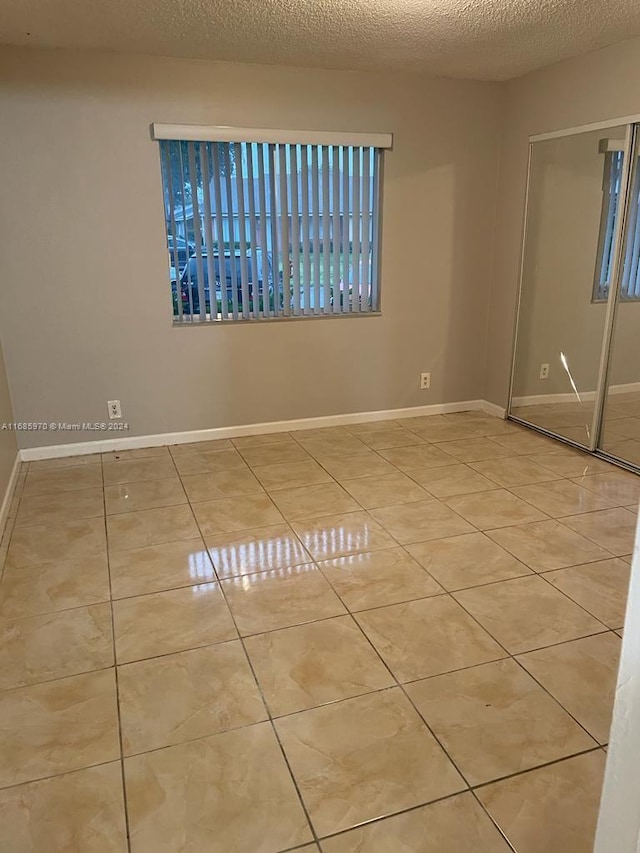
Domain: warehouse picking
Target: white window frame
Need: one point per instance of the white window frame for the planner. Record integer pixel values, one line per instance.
(612, 150)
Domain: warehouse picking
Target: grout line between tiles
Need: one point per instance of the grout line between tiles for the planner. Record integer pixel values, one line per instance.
(264, 702)
(349, 613)
(115, 670)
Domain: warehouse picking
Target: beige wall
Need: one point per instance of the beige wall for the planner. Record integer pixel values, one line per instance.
(87, 318)
(8, 447)
(557, 314)
(596, 87)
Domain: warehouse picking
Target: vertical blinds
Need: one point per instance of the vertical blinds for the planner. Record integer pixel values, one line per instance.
(630, 281)
(262, 230)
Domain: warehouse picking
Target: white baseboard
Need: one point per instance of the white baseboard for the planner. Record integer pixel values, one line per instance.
(8, 495)
(570, 397)
(493, 409)
(56, 451)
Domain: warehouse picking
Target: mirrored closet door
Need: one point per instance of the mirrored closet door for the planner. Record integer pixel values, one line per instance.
(577, 346)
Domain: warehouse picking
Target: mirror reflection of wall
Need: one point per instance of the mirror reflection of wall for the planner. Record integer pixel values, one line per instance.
(572, 206)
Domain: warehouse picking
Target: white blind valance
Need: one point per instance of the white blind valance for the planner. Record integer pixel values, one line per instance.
(273, 136)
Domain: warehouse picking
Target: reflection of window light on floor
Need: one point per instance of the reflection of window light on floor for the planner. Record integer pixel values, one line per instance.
(278, 550)
(204, 588)
(200, 567)
(246, 582)
(337, 540)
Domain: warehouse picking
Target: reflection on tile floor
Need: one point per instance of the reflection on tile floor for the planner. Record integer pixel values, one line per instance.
(396, 637)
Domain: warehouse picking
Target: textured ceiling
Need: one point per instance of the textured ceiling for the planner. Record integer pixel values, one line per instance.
(484, 39)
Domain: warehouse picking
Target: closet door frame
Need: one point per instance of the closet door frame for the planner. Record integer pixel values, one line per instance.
(631, 153)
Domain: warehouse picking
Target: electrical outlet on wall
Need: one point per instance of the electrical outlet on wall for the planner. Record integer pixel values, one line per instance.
(114, 409)
(544, 371)
(425, 381)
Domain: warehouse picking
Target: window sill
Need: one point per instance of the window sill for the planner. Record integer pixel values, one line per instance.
(219, 321)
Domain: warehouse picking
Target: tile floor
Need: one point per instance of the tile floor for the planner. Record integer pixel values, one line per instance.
(397, 637)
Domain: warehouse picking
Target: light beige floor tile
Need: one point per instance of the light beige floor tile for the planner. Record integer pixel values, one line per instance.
(220, 484)
(309, 665)
(623, 487)
(364, 464)
(613, 529)
(80, 812)
(291, 475)
(256, 550)
(427, 637)
(385, 490)
(55, 508)
(378, 578)
(455, 825)
(237, 789)
(468, 560)
(171, 621)
(138, 470)
(436, 433)
(132, 497)
(154, 568)
(63, 480)
(474, 449)
(150, 527)
(582, 676)
(272, 454)
(498, 426)
(280, 598)
(417, 456)
(135, 453)
(488, 510)
(472, 417)
(188, 695)
(41, 648)
(421, 522)
(515, 471)
(547, 545)
(341, 535)
(334, 433)
(562, 497)
(373, 426)
(451, 480)
(214, 446)
(601, 588)
(332, 445)
(383, 439)
(363, 758)
(65, 462)
(495, 720)
(527, 613)
(424, 421)
(53, 586)
(229, 515)
(59, 726)
(570, 463)
(246, 441)
(525, 442)
(311, 502)
(628, 449)
(190, 461)
(553, 809)
(71, 540)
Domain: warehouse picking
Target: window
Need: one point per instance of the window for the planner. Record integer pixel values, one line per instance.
(265, 228)
(611, 190)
